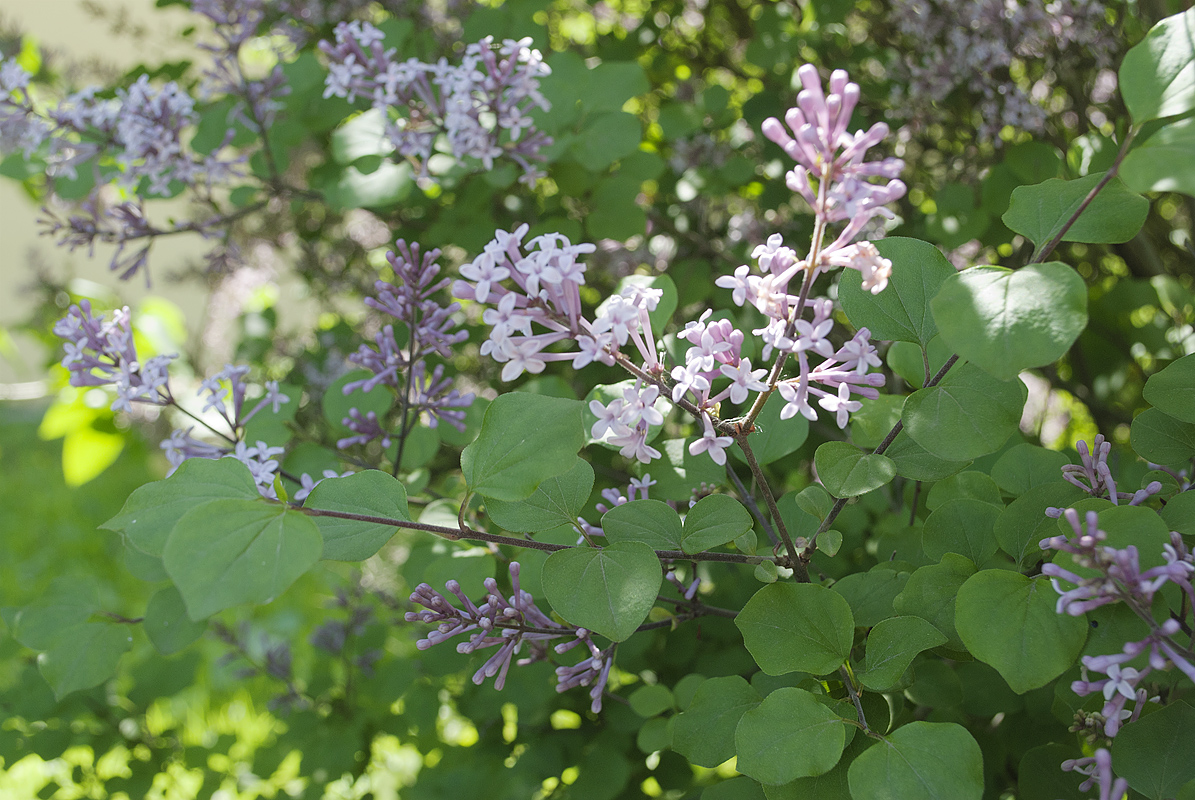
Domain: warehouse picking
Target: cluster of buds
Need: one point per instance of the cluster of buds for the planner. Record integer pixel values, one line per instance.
(482, 105)
(429, 326)
(1094, 476)
(508, 624)
(1098, 769)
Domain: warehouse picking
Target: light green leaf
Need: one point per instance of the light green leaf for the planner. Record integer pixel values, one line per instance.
(846, 471)
(891, 647)
(918, 464)
(967, 415)
(920, 761)
(363, 135)
(1165, 162)
(608, 591)
(1038, 212)
(555, 502)
(651, 522)
(1157, 76)
(525, 439)
(167, 624)
(1027, 466)
(901, 311)
(84, 656)
(1172, 391)
(964, 526)
(1006, 321)
(969, 483)
(1162, 439)
(704, 732)
(371, 493)
(152, 511)
(1009, 621)
(791, 627)
(789, 735)
(227, 552)
(607, 138)
(715, 520)
(931, 591)
(871, 594)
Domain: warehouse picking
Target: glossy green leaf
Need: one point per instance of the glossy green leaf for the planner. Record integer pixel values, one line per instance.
(716, 520)
(1009, 621)
(1026, 466)
(1021, 527)
(608, 591)
(846, 471)
(1006, 321)
(704, 731)
(1156, 754)
(789, 735)
(901, 311)
(967, 415)
(964, 526)
(1162, 439)
(791, 627)
(1172, 391)
(371, 493)
(152, 511)
(920, 761)
(525, 439)
(381, 188)
(651, 522)
(1157, 75)
(167, 624)
(1165, 162)
(1038, 212)
(555, 502)
(891, 647)
(363, 135)
(931, 591)
(227, 552)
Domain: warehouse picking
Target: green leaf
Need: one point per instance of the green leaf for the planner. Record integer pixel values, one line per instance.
(870, 594)
(1026, 466)
(891, 647)
(774, 438)
(69, 601)
(152, 511)
(1162, 439)
(387, 185)
(1157, 76)
(1124, 525)
(227, 552)
(167, 624)
(555, 502)
(1172, 391)
(789, 735)
(900, 312)
(715, 520)
(1156, 754)
(846, 471)
(1039, 778)
(607, 138)
(524, 440)
(1179, 513)
(1115, 215)
(967, 415)
(920, 761)
(704, 732)
(797, 627)
(84, 656)
(650, 522)
(608, 591)
(970, 484)
(918, 464)
(651, 699)
(370, 493)
(1009, 621)
(1022, 525)
(1165, 162)
(964, 526)
(931, 591)
(87, 452)
(875, 419)
(1006, 321)
(612, 83)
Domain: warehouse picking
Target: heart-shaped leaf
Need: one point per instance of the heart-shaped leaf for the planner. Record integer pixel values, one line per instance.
(608, 591)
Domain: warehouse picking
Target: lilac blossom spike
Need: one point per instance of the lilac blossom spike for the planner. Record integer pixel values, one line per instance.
(481, 106)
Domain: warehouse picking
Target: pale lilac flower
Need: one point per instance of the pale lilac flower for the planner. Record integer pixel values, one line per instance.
(711, 443)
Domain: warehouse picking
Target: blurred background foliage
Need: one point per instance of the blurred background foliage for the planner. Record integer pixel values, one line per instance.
(656, 110)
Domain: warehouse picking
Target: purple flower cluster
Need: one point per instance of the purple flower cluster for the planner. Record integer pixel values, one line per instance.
(1118, 577)
(481, 105)
(1098, 768)
(411, 301)
(508, 624)
(1094, 476)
